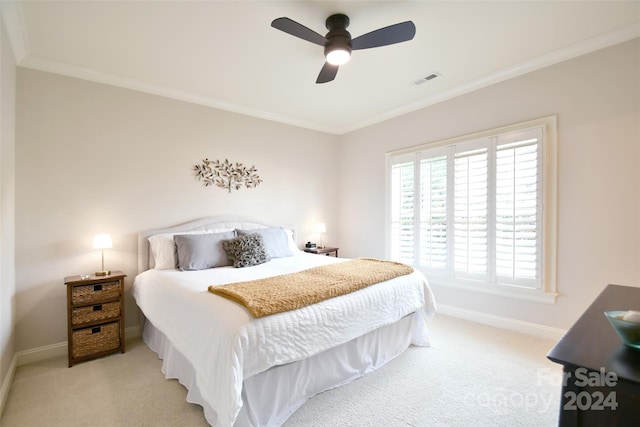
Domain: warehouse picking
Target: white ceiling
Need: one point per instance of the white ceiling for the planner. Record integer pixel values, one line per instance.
(226, 55)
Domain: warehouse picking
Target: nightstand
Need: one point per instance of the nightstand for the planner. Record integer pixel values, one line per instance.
(95, 315)
(326, 251)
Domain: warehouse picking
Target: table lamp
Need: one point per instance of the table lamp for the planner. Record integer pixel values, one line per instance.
(102, 241)
(321, 228)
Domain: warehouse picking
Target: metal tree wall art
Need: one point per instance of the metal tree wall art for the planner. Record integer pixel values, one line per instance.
(227, 174)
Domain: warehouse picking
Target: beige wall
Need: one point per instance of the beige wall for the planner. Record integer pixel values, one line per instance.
(597, 100)
(93, 158)
(7, 204)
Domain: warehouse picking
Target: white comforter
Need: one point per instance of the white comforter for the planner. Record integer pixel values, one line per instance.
(225, 344)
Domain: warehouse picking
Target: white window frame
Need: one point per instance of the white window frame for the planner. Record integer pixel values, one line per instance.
(548, 163)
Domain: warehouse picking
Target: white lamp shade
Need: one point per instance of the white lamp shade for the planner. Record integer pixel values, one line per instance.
(320, 228)
(102, 241)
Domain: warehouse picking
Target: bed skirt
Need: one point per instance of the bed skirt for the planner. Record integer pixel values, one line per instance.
(289, 386)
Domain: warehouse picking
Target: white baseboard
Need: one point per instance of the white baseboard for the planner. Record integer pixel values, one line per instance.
(528, 328)
(60, 349)
(6, 384)
(43, 353)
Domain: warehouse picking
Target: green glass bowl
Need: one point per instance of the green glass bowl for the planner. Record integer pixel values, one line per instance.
(628, 331)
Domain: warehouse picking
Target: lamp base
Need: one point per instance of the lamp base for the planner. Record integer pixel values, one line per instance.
(103, 273)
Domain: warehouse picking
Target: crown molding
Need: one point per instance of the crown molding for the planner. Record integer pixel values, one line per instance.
(13, 21)
(84, 73)
(577, 49)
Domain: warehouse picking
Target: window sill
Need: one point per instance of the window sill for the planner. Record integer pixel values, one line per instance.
(517, 292)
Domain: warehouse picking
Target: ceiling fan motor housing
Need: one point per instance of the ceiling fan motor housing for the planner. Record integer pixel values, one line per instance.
(338, 37)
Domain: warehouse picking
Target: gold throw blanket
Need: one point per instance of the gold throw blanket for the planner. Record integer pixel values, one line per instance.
(286, 292)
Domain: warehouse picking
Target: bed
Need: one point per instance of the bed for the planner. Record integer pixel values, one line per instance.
(247, 371)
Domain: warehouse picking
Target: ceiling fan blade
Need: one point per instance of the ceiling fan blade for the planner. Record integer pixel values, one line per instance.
(290, 26)
(392, 34)
(327, 73)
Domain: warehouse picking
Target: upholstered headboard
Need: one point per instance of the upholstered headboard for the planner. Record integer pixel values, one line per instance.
(220, 223)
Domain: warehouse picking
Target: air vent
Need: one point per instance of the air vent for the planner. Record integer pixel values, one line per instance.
(427, 78)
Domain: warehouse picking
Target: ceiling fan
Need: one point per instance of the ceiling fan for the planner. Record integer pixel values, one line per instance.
(338, 43)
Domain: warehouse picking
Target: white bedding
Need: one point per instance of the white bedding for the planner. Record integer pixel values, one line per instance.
(225, 345)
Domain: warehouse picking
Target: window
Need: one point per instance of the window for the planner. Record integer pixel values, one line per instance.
(479, 211)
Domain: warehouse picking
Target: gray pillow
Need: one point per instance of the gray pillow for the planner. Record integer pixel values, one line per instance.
(275, 240)
(202, 251)
(246, 250)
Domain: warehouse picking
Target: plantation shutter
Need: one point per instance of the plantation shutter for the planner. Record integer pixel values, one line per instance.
(470, 212)
(403, 209)
(518, 212)
(433, 211)
(470, 209)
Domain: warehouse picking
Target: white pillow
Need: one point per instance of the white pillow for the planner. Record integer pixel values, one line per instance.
(276, 240)
(163, 248)
(292, 244)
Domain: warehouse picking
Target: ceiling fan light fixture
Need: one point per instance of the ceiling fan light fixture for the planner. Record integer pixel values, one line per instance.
(338, 56)
(338, 43)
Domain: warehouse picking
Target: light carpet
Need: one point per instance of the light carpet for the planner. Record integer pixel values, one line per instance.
(472, 375)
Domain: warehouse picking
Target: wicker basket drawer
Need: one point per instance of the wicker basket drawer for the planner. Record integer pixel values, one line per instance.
(93, 340)
(95, 292)
(95, 313)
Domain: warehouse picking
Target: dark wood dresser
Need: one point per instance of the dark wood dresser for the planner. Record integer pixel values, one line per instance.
(601, 384)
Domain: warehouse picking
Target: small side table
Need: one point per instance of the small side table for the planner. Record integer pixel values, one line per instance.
(95, 315)
(323, 251)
